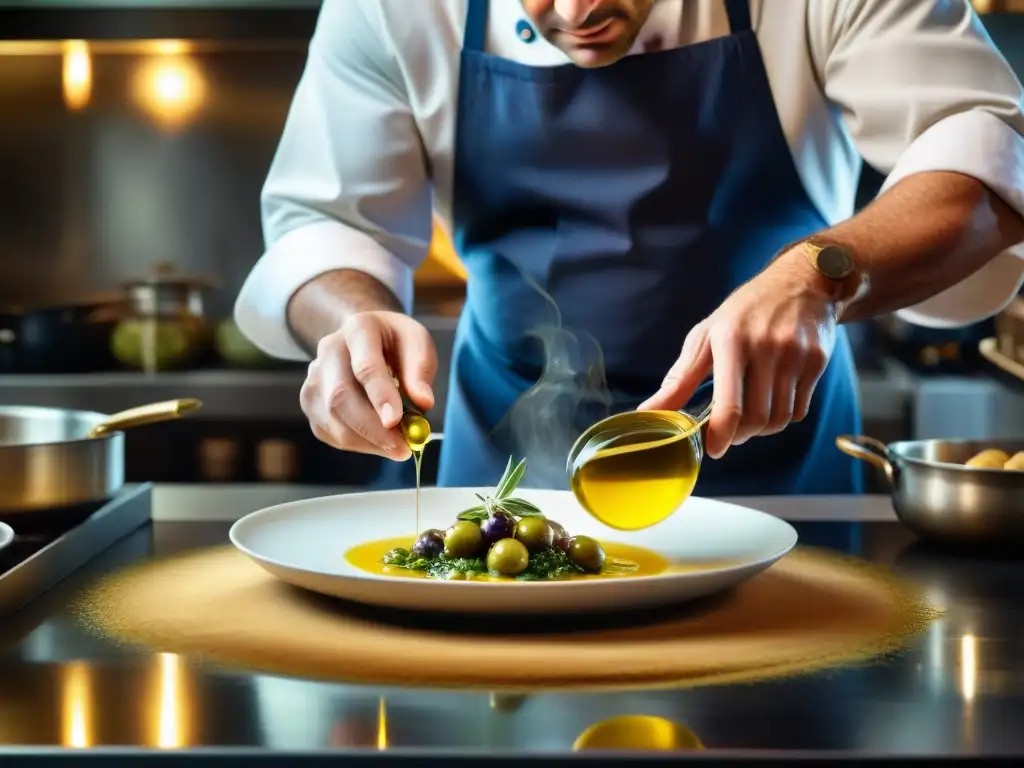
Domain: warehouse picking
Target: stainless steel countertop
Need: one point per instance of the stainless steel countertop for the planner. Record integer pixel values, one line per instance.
(959, 690)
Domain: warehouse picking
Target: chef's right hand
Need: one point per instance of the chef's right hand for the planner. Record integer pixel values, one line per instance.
(349, 394)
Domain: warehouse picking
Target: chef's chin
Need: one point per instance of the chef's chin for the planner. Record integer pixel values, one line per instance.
(602, 48)
(590, 55)
(593, 56)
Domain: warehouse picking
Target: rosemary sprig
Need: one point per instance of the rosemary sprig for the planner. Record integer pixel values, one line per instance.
(502, 498)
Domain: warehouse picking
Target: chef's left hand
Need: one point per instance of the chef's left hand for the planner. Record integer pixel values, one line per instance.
(766, 345)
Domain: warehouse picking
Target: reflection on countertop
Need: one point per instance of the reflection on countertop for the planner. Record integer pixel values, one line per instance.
(959, 690)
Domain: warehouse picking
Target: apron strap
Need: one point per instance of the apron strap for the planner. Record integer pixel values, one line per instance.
(476, 26)
(739, 15)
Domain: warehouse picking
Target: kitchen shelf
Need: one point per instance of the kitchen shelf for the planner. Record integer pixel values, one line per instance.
(226, 394)
(222, 22)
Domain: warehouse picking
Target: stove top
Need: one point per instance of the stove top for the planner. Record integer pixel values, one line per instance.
(19, 550)
(52, 522)
(33, 532)
(47, 547)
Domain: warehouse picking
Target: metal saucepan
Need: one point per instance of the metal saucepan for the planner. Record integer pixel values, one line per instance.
(51, 458)
(943, 501)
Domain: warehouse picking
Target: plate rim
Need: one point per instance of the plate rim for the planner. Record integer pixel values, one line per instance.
(412, 583)
(6, 534)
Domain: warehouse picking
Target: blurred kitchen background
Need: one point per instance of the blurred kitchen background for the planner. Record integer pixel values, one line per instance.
(134, 138)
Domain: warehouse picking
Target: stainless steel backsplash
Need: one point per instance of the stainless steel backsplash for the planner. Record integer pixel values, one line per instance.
(94, 196)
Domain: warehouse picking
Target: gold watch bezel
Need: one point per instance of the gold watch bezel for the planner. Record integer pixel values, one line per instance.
(813, 250)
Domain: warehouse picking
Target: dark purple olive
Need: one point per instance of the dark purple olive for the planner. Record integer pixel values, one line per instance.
(560, 536)
(429, 543)
(498, 526)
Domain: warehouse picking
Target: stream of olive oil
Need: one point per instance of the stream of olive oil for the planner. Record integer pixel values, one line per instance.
(416, 430)
(637, 472)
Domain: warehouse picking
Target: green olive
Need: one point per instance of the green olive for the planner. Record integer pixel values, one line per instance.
(507, 557)
(463, 539)
(586, 553)
(535, 534)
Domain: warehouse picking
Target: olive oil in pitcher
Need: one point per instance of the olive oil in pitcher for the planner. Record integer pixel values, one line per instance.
(633, 470)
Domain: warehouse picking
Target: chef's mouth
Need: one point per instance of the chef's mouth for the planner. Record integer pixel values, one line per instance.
(598, 34)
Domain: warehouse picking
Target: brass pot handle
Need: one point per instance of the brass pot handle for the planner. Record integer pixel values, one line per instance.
(146, 414)
(868, 449)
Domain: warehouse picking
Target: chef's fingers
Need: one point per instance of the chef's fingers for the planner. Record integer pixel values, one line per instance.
(783, 398)
(325, 387)
(364, 337)
(757, 399)
(730, 365)
(417, 363)
(314, 398)
(348, 401)
(686, 374)
(806, 383)
(352, 442)
(791, 352)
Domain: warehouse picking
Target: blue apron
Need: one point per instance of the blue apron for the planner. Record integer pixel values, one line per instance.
(601, 214)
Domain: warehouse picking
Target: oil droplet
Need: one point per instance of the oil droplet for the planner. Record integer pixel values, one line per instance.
(416, 430)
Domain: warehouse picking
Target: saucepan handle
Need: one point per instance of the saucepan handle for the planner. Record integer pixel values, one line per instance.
(868, 449)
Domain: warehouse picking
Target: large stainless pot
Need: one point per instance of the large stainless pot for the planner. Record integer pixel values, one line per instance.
(943, 501)
(52, 458)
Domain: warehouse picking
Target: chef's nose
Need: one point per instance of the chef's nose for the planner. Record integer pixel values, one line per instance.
(575, 12)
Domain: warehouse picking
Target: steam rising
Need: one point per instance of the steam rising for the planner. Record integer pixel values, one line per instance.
(570, 395)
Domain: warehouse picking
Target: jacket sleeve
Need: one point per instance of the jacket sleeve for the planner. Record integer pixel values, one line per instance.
(922, 87)
(348, 186)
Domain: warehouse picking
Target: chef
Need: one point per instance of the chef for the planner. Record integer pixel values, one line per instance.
(675, 177)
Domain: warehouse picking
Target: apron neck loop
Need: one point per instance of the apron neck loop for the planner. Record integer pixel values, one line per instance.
(739, 15)
(476, 26)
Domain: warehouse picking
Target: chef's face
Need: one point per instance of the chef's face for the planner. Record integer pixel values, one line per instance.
(593, 33)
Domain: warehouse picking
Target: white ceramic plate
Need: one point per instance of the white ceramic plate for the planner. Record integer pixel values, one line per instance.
(304, 543)
(6, 535)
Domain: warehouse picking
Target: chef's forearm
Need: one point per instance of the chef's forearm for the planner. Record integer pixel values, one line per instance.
(322, 305)
(924, 235)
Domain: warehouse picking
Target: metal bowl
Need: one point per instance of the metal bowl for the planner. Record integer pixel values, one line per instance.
(943, 501)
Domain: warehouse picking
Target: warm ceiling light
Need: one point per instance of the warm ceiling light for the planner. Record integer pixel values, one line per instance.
(170, 88)
(76, 75)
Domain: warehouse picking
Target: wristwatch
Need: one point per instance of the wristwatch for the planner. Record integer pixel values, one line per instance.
(836, 265)
(833, 261)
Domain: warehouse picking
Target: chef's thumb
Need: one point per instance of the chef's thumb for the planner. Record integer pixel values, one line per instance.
(683, 379)
(417, 363)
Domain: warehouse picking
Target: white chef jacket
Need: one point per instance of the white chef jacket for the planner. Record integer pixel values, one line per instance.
(368, 146)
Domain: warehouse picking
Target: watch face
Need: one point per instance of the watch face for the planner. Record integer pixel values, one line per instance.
(834, 262)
